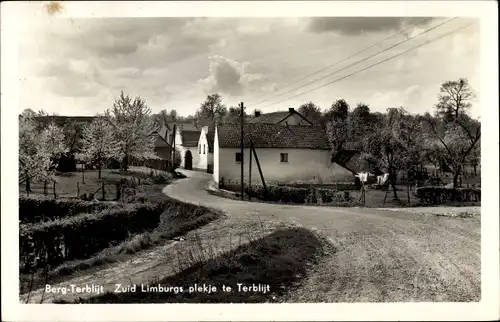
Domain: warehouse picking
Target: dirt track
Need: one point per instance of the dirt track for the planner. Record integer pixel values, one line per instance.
(383, 255)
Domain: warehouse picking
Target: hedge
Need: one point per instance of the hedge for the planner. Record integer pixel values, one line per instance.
(41, 208)
(80, 236)
(439, 195)
(286, 194)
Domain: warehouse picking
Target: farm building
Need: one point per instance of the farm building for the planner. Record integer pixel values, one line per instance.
(288, 154)
(292, 117)
(187, 137)
(163, 142)
(206, 150)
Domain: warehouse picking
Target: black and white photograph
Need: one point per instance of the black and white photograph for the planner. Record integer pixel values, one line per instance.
(268, 159)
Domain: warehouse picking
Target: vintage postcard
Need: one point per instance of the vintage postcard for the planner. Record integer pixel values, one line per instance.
(283, 160)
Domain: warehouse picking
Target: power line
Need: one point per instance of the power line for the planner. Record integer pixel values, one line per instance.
(341, 61)
(359, 61)
(378, 63)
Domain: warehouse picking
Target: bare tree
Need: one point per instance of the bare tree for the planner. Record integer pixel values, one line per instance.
(454, 99)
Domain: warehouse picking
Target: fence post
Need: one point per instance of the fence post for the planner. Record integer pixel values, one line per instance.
(45, 187)
(103, 192)
(54, 189)
(77, 189)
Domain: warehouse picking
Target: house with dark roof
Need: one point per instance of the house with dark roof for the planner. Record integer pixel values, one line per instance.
(186, 142)
(287, 154)
(292, 117)
(163, 142)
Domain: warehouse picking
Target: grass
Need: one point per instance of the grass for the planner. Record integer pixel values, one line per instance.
(276, 262)
(177, 219)
(69, 184)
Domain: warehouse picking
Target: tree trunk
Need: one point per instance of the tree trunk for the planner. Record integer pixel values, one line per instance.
(455, 178)
(392, 177)
(125, 163)
(100, 166)
(28, 188)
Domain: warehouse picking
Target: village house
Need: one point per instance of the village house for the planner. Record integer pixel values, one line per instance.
(163, 142)
(288, 154)
(186, 141)
(206, 150)
(292, 117)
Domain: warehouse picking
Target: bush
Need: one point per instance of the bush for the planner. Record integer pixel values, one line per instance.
(81, 236)
(440, 195)
(286, 194)
(41, 208)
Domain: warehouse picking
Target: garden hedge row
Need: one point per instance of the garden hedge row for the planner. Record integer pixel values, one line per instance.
(439, 195)
(80, 236)
(295, 195)
(40, 208)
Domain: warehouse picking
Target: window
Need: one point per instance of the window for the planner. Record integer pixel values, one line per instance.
(283, 157)
(203, 148)
(238, 156)
(199, 148)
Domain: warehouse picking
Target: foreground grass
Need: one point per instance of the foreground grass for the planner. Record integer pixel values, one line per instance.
(177, 219)
(276, 262)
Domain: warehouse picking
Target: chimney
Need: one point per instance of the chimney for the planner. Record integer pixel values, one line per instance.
(291, 110)
(257, 113)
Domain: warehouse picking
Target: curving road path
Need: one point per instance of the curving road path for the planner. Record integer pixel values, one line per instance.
(382, 255)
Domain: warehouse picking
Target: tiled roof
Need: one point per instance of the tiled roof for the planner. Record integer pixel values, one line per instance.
(161, 143)
(190, 138)
(61, 120)
(265, 135)
(273, 117)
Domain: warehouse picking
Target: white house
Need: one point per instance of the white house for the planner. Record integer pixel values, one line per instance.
(205, 160)
(286, 153)
(186, 142)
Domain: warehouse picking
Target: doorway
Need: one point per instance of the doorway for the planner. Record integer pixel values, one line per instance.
(188, 160)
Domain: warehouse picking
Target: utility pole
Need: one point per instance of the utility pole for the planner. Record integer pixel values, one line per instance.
(242, 121)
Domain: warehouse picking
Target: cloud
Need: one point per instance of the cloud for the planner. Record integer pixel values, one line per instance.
(231, 77)
(361, 25)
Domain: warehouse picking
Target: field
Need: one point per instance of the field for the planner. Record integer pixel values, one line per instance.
(74, 184)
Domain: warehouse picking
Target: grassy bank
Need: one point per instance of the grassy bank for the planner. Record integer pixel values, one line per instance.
(177, 219)
(275, 264)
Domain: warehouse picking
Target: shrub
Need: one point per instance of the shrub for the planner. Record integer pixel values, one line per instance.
(439, 195)
(40, 208)
(53, 242)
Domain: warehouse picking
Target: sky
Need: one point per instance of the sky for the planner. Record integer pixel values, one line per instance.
(79, 66)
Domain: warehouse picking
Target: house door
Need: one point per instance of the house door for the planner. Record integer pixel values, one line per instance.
(188, 161)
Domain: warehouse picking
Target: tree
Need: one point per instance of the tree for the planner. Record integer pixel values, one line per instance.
(453, 141)
(339, 110)
(385, 149)
(52, 140)
(233, 115)
(35, 162)
(133, 129)
(311, 111)
(338, 124)
(339, 132)
(454, 99)
(211, 111)
(98, 143)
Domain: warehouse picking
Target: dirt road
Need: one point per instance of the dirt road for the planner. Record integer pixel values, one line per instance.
(383, 255)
